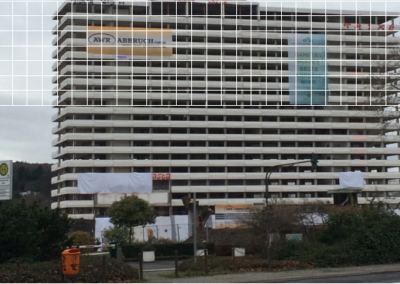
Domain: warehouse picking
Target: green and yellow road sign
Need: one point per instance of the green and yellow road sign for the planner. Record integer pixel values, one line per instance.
(3, 169)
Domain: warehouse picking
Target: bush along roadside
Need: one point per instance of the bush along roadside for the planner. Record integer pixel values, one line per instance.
(166, 250)
(226, 264)
(358, 236)
(90, 271)
(31, 232)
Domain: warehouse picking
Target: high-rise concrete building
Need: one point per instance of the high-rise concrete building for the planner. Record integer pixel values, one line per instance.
(212, 114)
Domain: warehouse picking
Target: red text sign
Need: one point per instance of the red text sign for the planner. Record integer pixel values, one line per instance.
(161, 176)
(368, 27)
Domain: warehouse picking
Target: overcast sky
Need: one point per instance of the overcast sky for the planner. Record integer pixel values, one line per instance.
(26, 49)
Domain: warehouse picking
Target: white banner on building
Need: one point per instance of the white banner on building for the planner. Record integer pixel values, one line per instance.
(351, 179)
(91, 183)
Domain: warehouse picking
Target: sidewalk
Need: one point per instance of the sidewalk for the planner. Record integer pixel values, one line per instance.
(293, 275)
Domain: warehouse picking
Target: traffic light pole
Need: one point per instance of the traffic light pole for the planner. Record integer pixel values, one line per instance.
(272, 169)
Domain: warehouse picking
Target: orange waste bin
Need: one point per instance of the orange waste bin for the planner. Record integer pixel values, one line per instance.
(70, 261)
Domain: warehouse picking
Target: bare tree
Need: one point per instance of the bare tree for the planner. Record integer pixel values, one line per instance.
(384, 85)
(275, 221)
(313, 216)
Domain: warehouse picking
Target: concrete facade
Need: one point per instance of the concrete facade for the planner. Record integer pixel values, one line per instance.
(216, 114)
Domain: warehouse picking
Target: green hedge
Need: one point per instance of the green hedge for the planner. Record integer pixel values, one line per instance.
(355, 236)
(319, 254)
(131, 251)
(90, 269)
(31, 232)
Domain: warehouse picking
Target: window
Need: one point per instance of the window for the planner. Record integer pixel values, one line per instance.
(217, 182)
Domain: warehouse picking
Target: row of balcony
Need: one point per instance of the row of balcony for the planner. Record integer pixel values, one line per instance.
(231, 189)
(123, 71)
(374, 41)
(84, 56)
(331, 112)
(124, 98)
(216, 124)
(223, 150)
(220, 137)
(156, 20)
(274, 11)
(124, 82)
(260, 176)
(206, 46)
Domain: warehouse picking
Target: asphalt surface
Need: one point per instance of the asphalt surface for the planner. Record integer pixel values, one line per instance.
(388, 273)
(387, 277)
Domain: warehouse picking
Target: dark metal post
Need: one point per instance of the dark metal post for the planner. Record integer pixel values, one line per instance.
(194, 228)
(205, 261)
(233, 259)
(176, 264)
(301, 257)
(62, 270)
(206, 232)
(141, 265)
(104, 269)
(267, 176)
(17, 270)
(269, 253)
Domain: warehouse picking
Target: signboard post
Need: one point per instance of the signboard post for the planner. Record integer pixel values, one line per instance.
(6, 180)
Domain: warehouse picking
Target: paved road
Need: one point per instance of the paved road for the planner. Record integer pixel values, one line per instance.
(163, 265)
(387, 277)
(387, 273)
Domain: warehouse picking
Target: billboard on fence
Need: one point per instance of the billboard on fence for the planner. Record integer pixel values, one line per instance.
(129, 41)
(231, 216)
(308, 80)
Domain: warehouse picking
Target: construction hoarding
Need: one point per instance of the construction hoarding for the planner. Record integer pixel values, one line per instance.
(231, 216)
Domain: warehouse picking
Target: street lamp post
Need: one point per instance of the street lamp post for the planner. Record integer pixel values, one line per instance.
(314, 162)
(271, 170)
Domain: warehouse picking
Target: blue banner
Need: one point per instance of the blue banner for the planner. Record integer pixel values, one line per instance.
(308, 80)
